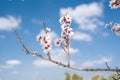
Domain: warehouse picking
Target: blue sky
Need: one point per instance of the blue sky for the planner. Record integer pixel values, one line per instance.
(91, 46)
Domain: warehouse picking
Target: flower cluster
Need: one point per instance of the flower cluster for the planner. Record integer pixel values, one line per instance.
(45, 40)
(114, 4)
(65, 20)
(67, 32)
(115, 27)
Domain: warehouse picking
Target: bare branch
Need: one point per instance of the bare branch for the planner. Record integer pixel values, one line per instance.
(43, 24)
(68, 53)
(107, 65)
(63, 48)
(60, 63)
(49, 55)
(21, 42)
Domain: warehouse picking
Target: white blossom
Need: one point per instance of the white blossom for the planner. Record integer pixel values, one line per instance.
(66, 32)
(45, 40)
(114, 4)
(116, 29)
(66, 20)
(47, 29)
(64, 27)
(58, 42)
(38, 37)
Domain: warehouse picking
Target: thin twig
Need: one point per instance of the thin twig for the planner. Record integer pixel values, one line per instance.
(63, 48)
(60, 63)
(107, 65)
(68, 53)
(21, 41)
(49, 55)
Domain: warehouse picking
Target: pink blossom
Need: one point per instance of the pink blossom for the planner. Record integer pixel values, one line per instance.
(69, 31)
(64, 37)
(38, 37)
(64, 27)
(58, 42)
(46, 49)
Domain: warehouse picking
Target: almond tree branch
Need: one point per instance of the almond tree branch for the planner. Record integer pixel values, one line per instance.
(60, 63)
(68, 53)
(63, 48)
(21, 42)
(107, 65)
(49, 55)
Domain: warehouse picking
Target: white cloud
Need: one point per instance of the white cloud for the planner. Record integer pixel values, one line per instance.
(9, 23)
(96, 62)
(43, 63)
(73, 51)
(13, 62)
(56, 54)
(85, 15)
(82, 36)
(10, 64)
